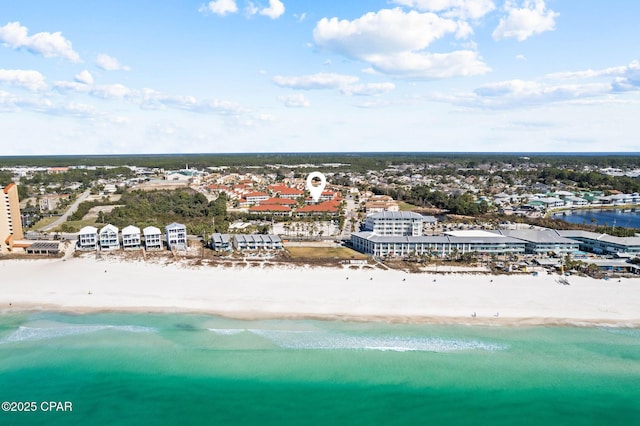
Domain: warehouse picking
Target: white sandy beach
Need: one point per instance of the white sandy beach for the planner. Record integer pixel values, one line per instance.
(85, 284)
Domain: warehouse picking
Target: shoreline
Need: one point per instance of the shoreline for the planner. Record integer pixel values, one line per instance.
(83, 286)
(414, 320)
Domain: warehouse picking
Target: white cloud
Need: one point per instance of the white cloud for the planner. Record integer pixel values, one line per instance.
(295, 101)
(315, 81)
(525, 93)
(346, 84)
(630, 80)
(521, 57)
(49, 45)
(465, 9)
(28, 79)
(607, 72)
(111, 91)
(430, 65)
(84, 77)
(393, 42)
(109, 63)
(370, 89)
(274, 11)
(220, 7)
(530, 19)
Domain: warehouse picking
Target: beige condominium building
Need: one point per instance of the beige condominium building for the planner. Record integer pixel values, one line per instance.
(10, 221)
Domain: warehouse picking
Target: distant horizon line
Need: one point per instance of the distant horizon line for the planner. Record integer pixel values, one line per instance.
(345, 153)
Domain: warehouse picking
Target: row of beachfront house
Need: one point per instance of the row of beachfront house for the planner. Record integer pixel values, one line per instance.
(241, 242)
(151, 238)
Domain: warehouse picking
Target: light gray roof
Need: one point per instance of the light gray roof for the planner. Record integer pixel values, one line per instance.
(218, 238)
(433, 239)
(151, 230)
(109, 228)
(262, 238)
(537, 236)
(176, 225)
(623, 241)
(131, 229)
(88, 230)
(396, 215)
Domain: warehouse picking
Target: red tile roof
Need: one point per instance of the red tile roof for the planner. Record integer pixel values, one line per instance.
(8, 187)
(256, 194)
(270, 208)
(326, 207)
(286, 190)
(281, 201)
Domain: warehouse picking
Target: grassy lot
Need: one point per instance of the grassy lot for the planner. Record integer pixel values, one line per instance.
(76, 225)
(325, 253)
(44, 222)
(406, 206)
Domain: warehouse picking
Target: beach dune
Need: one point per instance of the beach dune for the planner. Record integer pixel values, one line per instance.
(88, 285)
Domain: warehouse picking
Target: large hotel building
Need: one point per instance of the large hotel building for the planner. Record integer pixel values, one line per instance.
(10, 221)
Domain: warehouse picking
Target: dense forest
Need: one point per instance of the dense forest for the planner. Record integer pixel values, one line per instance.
(424, 196)
(355, 161)
(159, 208)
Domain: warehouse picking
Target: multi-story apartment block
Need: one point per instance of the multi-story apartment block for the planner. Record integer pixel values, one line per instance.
(10, 221)
(391, 223)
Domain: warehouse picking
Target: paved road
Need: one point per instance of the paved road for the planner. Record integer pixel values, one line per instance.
(66, 214)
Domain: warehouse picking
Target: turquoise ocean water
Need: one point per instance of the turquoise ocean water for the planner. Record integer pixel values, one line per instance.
(175, 369)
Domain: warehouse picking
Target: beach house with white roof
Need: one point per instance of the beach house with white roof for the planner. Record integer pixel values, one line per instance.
(109, 238)
(176, 234)
(152, 238)
(131, 237)
(88, 238)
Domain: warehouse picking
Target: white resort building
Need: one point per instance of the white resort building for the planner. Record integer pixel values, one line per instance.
(480, 242)
(176, 236)
(109, 238)
(131, 237)
(88, 238)
(389, 223)
(152, 238)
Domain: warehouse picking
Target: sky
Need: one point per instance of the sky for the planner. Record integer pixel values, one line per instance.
(226, 76)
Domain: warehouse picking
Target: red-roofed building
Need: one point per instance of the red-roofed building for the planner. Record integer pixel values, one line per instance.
(286, 192)
(281, 201)
(271, 209)
(325, 208)
(325, 196)
(255, 197)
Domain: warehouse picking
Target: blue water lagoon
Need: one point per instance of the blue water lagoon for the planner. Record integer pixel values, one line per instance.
(627, 218)
(172, 369)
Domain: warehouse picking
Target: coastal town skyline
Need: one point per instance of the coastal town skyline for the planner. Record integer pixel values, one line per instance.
(284, 76)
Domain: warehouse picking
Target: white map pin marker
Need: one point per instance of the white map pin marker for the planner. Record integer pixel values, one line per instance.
(316, 191)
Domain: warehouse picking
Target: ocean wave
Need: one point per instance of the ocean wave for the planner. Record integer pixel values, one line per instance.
(633, 332)
(26, 333)
(294, 339)
(228, 331)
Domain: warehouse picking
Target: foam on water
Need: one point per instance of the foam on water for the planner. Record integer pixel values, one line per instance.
(633, 332)
(294, 339)
(26, 333)
(228, 331)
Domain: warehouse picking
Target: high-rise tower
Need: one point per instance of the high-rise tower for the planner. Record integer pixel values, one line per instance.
(10, 220)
